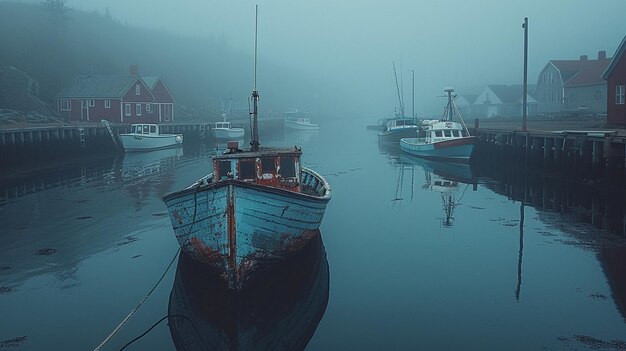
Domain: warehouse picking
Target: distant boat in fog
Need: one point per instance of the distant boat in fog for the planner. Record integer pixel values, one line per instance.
(224, 130)
(443, 139)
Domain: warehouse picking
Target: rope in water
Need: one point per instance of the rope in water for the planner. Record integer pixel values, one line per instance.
(119, 326)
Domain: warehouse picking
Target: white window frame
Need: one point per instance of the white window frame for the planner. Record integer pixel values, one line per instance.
(138, 110)
(66, 105)
(619, 94)
(126, 109)
(149, 108)
(107, 103)
(137, 89)
(92, 103)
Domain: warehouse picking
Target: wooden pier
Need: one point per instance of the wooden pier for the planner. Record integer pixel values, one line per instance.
(597, 151)
(19, 143)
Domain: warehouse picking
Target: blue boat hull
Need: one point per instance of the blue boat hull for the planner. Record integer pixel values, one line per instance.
(239, 227)
(456, 150)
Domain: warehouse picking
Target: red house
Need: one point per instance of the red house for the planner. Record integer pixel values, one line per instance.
(119, 99)
(615, 75)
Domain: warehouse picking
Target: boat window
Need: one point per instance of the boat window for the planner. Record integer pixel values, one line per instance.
(247, 169)
(455, 133)
(146, 129)
(464, 133)
(268, 165)
(223, 169)
(438, 133)
(447, 133)
(400, 123)
(288, 167)
(153, 129)
(133, 129)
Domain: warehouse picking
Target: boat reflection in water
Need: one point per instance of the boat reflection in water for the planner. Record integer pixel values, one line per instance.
(449, 179)
(279, 310)
(136, 165)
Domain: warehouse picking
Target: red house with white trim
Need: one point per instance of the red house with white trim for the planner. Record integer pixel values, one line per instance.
(119, 99)
(615, 75)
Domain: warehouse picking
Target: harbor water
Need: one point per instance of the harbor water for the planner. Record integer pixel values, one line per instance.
(411, 255)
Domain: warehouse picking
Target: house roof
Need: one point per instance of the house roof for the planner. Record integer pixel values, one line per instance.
(581, 72)
(510, 93)
(98, 87)
(470, 99)
(618, 55)
(151, 81)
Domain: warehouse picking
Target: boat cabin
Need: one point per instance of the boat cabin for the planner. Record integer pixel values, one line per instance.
(441, 131)
(398, 123)
(222, 125)
(144, 129)
(278, 168)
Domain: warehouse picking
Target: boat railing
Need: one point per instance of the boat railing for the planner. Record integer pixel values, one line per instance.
(204, 181)
(315, 182)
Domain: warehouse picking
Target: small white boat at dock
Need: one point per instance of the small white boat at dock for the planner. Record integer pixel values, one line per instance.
(144, 137)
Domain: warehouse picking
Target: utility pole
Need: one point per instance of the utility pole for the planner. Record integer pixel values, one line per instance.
(413, 92)
(525, 98)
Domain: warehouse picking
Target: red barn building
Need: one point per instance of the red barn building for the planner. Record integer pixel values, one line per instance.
(119, 99)
(615, 75)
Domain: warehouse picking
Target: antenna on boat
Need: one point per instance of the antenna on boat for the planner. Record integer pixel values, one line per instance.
(254, 143)
(451, 109)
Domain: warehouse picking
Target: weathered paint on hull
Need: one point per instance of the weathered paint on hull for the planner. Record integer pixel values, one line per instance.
(456, 150)
(396, 135)
(238, 227)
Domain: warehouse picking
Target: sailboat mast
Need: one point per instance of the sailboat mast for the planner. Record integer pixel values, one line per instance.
(255, 93)
(398, 89)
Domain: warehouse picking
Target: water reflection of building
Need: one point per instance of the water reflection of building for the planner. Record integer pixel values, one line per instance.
(279, 310)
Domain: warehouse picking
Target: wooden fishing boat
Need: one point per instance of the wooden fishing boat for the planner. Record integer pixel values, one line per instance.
(301, 123)
(146, 137)
(256, 206)
(443, 139)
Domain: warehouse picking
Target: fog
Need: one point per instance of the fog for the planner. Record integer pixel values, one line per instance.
(342, 51)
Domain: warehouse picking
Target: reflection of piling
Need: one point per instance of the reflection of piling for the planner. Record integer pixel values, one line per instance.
(596, 203)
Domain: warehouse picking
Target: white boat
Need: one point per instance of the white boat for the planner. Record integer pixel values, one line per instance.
(301, 123)
(443, 139)
(144, 137)
(224, 130)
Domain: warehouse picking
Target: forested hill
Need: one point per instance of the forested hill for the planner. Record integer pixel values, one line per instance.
(53, 45)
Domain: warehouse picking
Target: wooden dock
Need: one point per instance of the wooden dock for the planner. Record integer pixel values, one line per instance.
(20, 142)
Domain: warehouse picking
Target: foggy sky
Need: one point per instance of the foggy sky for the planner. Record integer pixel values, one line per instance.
(351, 44)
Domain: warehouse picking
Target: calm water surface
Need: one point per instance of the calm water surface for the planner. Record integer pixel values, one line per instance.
(413, 255)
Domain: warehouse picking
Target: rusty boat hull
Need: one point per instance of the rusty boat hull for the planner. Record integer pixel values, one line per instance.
(242, 227)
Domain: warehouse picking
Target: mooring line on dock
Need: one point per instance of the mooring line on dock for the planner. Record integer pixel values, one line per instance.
(119, 326)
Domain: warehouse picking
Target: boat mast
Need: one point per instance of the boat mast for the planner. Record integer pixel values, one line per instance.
(398, 89)
(449, 112)
(255, 93)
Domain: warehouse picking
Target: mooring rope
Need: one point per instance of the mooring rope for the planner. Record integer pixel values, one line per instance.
(119, 326)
